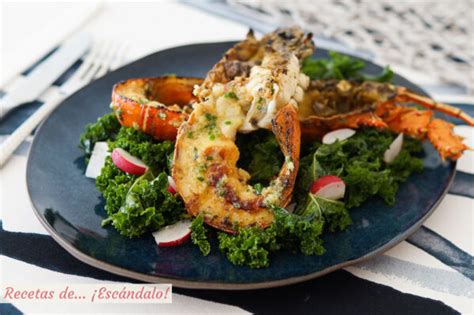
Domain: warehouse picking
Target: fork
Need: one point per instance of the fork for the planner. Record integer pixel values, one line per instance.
(103, 57)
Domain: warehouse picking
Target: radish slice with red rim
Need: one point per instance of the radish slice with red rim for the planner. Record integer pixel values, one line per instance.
(329, 187)
(339, 134)
(171, 186)
(173, 235)
(128, 163)
(393, 150)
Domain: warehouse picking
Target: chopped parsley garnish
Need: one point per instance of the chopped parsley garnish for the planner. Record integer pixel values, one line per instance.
(211, 125)
(258, 188)
(210, 117)
(142, 101)
(202, 167)
(231, 95)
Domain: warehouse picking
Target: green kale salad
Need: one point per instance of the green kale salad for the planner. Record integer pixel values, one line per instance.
(137, 205)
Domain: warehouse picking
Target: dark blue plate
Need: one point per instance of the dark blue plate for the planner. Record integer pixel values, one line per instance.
(69, 206)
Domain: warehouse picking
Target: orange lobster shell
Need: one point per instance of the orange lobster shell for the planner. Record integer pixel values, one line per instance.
(157, 106)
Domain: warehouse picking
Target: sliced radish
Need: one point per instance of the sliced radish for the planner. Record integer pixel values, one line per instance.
(329, 187)
(171, 186)
(127, 162)
(97, 160)
(173, 235)
(393, 150)
(339, 134)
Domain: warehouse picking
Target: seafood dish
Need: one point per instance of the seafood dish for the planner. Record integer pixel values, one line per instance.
(267, 152)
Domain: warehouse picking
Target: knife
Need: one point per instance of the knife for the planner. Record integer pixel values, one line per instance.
(44, 75)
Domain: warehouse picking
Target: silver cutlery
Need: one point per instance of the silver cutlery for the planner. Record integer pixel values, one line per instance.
(103, 57)
(44, 75)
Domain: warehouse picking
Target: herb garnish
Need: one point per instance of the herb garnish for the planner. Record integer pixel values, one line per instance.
(341, 67)
(231, 95)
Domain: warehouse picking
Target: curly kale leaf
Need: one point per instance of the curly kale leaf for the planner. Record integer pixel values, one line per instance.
(250, 247)
(147, 207)
(333, 212)
(114, 185)
(135, 205)
(405, 164)
(199, 234)
(299, 231)
(260, 155)
(106, 127)
(359, 162)
(341, 67)
(367, 179)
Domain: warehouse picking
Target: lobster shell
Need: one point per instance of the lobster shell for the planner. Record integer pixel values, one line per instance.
(156, 105)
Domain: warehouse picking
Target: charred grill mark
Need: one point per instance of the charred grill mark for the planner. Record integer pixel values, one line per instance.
(226, 222)
(274, 127)
(215, 174)
(231, 197)
(286, 35)
(235, 68)
(288, 135)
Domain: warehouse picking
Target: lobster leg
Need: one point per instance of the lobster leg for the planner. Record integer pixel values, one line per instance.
(407, 120)
(403, 95)
(448, 144)
(420, 124)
